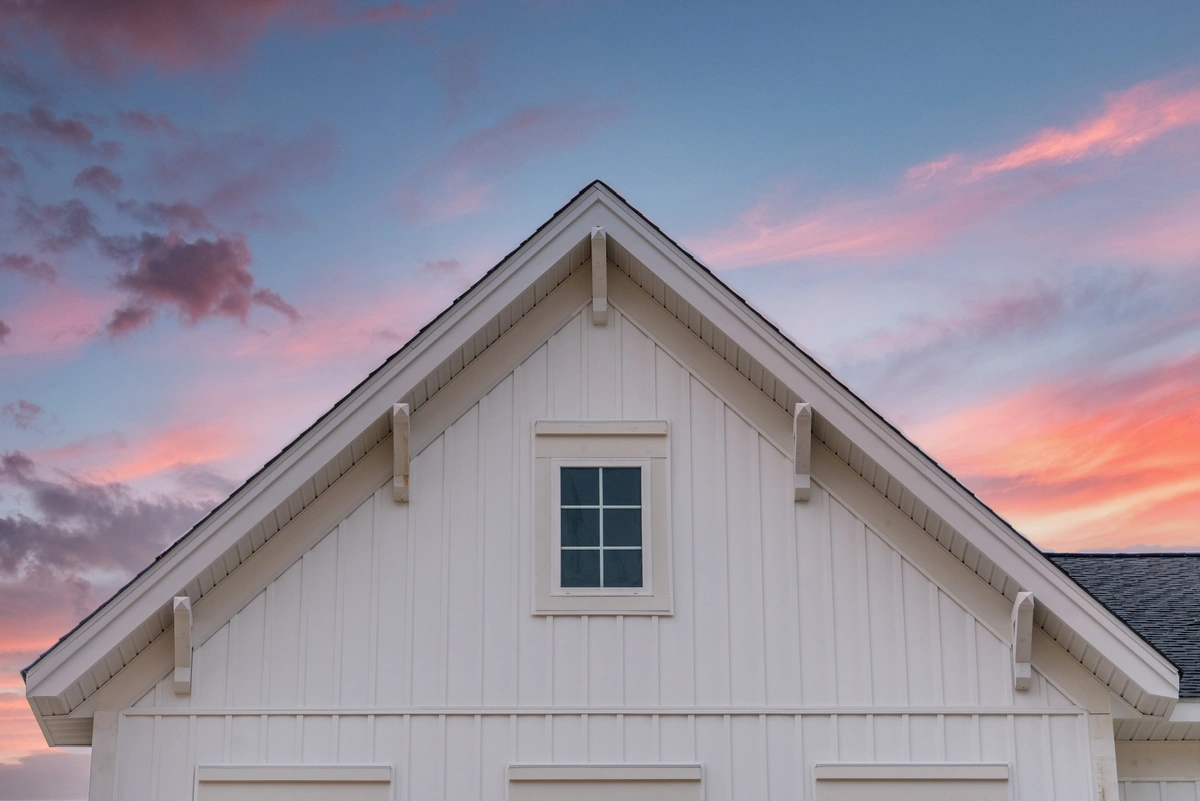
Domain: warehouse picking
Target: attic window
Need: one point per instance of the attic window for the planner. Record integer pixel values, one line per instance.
(602, 528)
(602, 523)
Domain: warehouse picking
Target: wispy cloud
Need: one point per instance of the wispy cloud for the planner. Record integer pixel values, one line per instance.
(121, 36)
(99, 179)
(40, 126)
(1130, 119)
(460, 181)
(22, 414)
(951, 194)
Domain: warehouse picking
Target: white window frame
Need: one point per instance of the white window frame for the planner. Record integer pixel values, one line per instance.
(601, 443)
(647, 587)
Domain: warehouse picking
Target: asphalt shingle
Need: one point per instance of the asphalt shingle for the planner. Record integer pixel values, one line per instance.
(1157, 595)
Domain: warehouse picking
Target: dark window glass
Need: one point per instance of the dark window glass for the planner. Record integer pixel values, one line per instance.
(623, 568)
(601, 526)
(621, 527)
(580, 486)
(581, 527)
(622, 486)
(582, 568)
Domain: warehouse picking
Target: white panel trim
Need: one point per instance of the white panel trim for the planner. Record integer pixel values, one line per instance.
(376, 774)
(600, 428)
(864, 771)
(559, 772)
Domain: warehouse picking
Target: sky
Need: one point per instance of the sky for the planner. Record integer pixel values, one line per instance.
(216, 216)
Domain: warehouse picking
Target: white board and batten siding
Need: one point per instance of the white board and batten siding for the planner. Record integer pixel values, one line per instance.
(799, 636)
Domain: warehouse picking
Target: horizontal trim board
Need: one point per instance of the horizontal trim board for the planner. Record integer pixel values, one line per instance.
(294, 773)
(863, 771)
(589, 772)
(600, 428)
(543, 711)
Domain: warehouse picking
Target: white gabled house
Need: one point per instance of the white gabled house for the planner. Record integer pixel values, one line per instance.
(600, 531)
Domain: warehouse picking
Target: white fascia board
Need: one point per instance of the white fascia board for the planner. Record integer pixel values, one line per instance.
(1186, 711)
(958, 507)
(152, 590)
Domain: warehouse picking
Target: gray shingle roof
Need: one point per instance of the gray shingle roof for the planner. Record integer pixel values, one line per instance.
(1157, 595)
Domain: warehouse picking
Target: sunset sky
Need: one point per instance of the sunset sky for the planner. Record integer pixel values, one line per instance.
(216, 216)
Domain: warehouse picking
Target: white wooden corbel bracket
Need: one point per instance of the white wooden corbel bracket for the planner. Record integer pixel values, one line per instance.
(400, 452)
(181, 607)
(1022, 641)
(599, 277)
(802, 432)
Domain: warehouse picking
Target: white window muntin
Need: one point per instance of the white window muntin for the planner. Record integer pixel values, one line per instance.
(647, 587)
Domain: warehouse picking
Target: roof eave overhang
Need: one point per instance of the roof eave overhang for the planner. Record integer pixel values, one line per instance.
(48, 679)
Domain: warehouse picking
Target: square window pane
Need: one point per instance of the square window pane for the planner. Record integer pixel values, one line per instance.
(580, 486)
(622, 486)
(582, 569)
(622, 568)
(581, 527)
(621, 526)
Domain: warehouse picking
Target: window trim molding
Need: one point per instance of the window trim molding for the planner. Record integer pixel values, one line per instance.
(598, 442)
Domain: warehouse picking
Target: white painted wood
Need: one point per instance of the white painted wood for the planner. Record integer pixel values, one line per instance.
(102, 773)
(802, 450)
(1022, 641)
(582, 367)
(342, 774)
(910, 771)
(181, 608)
(600, 772)
(599, 277)
(831, 631)
(400, 461)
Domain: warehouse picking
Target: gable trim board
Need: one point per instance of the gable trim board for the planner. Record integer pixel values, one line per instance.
(59, 682)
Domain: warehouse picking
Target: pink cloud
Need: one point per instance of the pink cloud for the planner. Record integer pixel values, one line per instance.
(941, 198)
(55, 320)
(123, 35)
(459, 182)
(1130, 119)
(891, 225)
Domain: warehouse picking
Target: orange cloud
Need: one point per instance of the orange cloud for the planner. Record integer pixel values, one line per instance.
(19, 732)
(1107, 461)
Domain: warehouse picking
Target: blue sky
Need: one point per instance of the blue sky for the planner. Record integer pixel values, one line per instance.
(216, 217)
